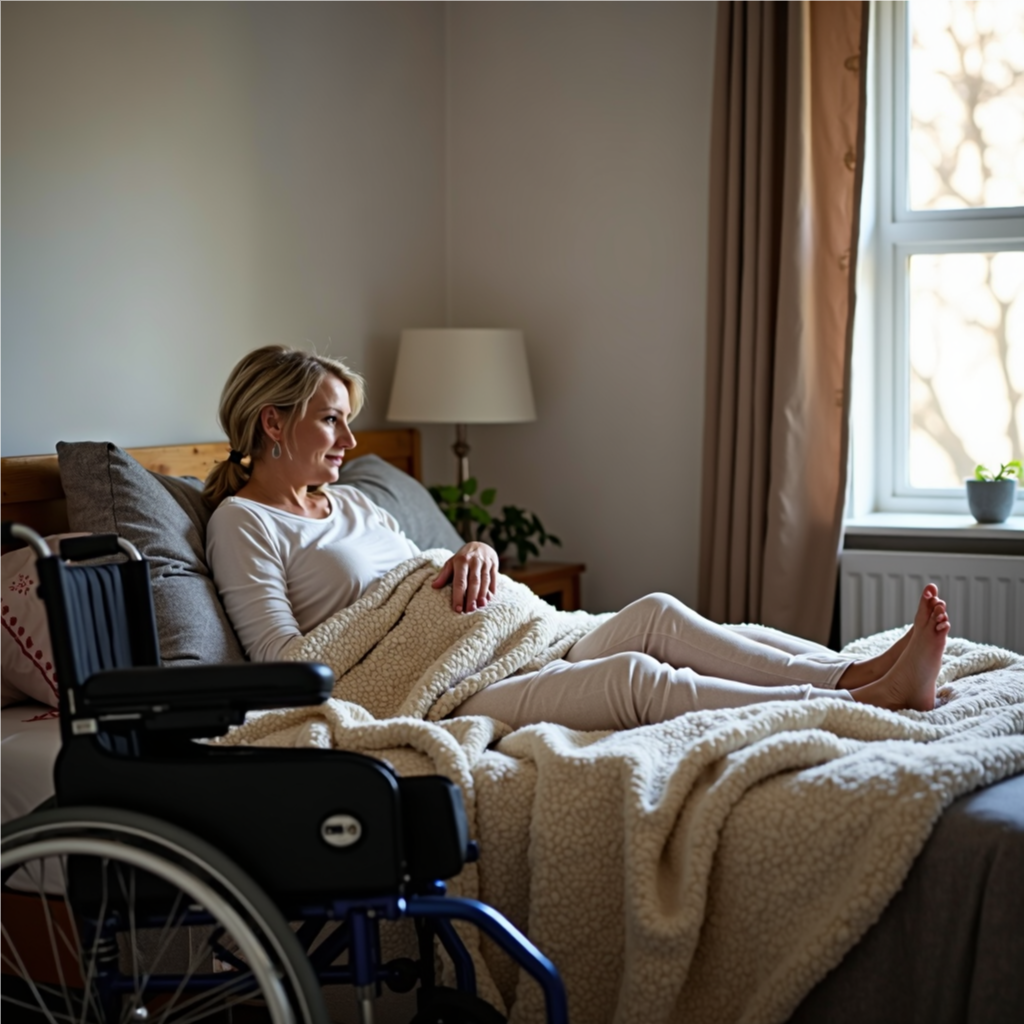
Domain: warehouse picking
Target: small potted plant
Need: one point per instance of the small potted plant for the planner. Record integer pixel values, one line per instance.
(990, 496)
(469, 516)
(519, 528)
(515, 526)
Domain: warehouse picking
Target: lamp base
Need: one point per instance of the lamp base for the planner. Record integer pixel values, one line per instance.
(461, 450)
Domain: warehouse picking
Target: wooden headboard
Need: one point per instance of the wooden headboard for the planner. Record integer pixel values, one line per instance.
(33, 493)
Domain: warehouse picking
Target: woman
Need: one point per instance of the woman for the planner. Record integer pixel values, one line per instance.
(287, 552)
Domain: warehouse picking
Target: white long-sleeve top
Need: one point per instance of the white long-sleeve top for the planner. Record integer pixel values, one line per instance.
(280, 574)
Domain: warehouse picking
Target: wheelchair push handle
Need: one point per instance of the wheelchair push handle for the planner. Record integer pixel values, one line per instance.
(72, 549)
(15, 535)
(97, 545)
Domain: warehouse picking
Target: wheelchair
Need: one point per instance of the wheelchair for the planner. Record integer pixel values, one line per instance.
(176, 880)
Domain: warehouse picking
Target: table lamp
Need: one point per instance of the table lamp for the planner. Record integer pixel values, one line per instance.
(462, 376)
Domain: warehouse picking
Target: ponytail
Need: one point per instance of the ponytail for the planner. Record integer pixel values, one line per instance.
(225, 479)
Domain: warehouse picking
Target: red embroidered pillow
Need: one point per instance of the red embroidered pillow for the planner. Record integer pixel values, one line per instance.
(27, 656)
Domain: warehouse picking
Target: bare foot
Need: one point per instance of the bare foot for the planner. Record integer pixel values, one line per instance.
(860, 673)
(910, 683)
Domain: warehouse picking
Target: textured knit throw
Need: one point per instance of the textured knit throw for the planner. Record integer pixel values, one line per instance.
(400, 650)
(710, 868)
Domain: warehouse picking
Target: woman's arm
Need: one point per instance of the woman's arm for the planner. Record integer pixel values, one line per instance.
(249, 572)
(472, 570)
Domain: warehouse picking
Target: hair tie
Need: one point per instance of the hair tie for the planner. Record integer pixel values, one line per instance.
(235, 457)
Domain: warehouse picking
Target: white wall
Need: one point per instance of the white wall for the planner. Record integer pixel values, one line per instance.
(184, 182)
(578, 161)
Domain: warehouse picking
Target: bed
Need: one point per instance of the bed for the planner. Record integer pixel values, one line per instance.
(944, 944)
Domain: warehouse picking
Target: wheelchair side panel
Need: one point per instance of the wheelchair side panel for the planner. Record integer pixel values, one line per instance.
(278, 813)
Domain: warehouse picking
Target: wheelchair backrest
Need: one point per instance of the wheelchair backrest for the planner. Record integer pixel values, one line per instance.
(100, 616)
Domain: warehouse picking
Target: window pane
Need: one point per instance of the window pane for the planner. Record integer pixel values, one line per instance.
(966, 364)
(966, 104)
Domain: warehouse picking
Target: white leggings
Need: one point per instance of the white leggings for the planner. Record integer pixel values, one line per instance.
(657, 659)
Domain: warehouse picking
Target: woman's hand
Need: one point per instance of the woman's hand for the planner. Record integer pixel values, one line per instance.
(473, 573)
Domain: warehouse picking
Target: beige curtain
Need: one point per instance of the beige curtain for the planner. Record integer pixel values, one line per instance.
(788, 128)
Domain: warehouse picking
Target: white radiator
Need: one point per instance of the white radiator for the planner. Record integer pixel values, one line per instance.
(984, 594)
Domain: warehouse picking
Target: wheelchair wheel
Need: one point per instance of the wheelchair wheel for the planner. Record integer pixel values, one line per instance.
(114, 916)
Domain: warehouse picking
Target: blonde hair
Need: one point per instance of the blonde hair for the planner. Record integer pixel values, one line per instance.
(276, 375)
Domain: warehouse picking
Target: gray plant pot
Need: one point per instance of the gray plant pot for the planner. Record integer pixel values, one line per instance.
(991, 501)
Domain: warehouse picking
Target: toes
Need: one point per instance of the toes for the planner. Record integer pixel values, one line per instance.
(929, 599)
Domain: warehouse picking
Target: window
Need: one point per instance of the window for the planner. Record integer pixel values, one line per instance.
(943, 247)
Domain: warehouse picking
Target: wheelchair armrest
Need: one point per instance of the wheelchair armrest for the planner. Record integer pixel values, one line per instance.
(152, 693)
(434, 828)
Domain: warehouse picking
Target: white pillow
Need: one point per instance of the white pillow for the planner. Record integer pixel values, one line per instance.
(27, 655)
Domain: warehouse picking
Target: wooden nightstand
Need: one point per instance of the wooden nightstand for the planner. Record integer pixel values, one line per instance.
(557, 582)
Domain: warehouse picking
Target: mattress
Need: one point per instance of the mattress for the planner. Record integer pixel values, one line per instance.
(31, 740)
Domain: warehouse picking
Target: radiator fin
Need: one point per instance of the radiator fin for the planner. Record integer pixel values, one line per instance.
(984, 593)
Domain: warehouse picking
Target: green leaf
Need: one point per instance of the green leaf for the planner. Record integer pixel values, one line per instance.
(519, 528)
(487, 497)
(481, 515)
(982, 473)
(469, 486)
(450, 494)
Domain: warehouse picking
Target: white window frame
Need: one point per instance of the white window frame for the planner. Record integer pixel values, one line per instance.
(894, 232)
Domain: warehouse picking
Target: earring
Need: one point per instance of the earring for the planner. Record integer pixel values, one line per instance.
(275, 452)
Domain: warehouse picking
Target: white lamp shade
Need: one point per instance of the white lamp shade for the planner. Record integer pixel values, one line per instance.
(462, 375)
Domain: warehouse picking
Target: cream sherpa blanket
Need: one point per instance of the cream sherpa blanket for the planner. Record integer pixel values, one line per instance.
(710, 868)
(399, 650)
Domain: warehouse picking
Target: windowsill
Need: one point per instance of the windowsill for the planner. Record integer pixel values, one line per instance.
(923, 531)
(888, 524)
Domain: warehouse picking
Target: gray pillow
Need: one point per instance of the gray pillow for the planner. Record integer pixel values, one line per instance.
(165, 517)
(405, 498)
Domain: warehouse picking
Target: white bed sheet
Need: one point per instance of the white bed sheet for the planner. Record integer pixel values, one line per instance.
(27, 754)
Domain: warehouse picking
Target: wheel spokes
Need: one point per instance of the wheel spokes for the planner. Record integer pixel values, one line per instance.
(146, 915)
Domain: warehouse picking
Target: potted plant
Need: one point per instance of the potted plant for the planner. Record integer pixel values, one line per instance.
(990, 496)
(519, 528)
(515, 526)
(466, 514)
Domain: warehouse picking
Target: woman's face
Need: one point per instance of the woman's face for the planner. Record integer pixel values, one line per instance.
(317, 442)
